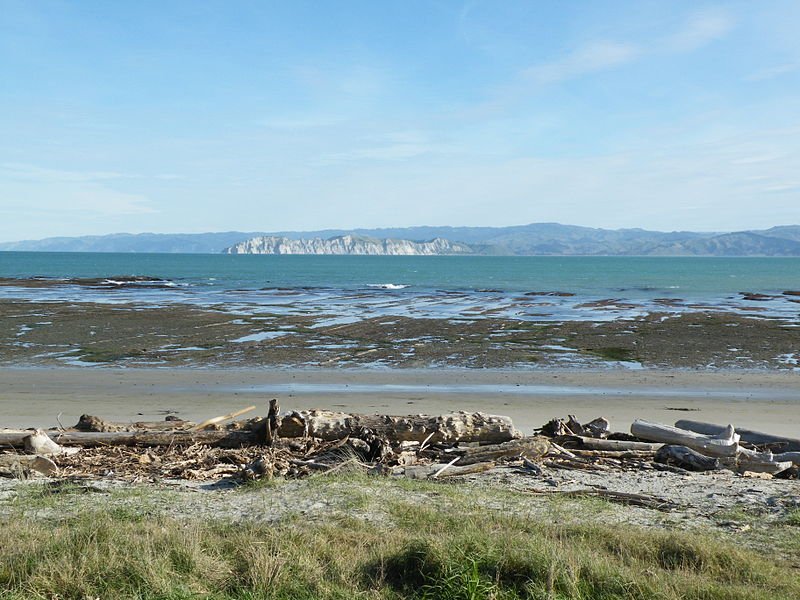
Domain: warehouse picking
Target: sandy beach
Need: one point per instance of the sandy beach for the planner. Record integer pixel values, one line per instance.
(764, 400)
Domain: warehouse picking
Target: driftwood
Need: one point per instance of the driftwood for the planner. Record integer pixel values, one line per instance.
(38, 442)
(793, 457)
(577, 464)
(92, 423)
(745, 464)
(685, 458)
(438, 470)
(224, 438)
(531, 448)
(757, 438)
(272, 424)
(598, 427)
(638, 454)
(724, 444)
(588, 443)
(223, 418)
(758, 462)
(15, 465)
(452, 427)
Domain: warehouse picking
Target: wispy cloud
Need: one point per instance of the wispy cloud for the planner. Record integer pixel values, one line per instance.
(22, 171)
(301, 121)
(700, 29)
(773, 72)
(595, 56)
(391, 146)
(28, 172)
(61, 191)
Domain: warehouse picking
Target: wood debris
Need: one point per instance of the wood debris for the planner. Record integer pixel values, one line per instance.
(306, 443)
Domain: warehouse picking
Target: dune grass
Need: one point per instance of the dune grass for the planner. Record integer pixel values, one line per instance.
(420, 552)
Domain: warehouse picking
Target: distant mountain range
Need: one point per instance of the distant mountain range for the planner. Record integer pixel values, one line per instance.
(524, 240)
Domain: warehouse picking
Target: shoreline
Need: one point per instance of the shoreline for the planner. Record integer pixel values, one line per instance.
(764, 400)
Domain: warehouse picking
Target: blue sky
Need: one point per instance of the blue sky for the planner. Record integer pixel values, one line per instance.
(210, 116)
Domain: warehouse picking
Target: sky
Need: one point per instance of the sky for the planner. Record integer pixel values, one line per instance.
(197, 116)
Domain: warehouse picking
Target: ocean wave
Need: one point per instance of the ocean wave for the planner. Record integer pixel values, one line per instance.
(387, 286)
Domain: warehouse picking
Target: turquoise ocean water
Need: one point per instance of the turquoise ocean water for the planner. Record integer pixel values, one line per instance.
(423, 286)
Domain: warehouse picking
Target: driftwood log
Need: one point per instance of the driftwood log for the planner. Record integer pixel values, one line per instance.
(531, 448)
(685, 458)
(452, 427)
(38, 442)
(757, 438)
(439, 470)
(723, 444)
(92, 423)
(758, 462)
(224, 438)
(793, 457)
(588, 443)
(323, 424)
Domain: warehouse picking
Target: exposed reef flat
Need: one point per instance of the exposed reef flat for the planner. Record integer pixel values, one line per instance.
(131, 335)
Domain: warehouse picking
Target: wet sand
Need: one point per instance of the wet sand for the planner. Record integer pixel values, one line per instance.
(765, 400)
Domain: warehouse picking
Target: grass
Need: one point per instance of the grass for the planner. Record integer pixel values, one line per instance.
(793, 517)
(434, 547)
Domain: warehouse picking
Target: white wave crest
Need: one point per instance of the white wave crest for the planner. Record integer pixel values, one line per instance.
(387, 286)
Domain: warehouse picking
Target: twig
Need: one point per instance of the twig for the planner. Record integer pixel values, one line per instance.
(444, 468)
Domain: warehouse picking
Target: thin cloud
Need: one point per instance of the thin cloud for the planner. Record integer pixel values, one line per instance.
(596, 56)
(773, 72)
(701, 29)
(391, 152)
(301, 122)
(64, 191)
(33, 173)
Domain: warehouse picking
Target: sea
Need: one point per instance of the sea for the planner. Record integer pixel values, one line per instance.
(542, 288)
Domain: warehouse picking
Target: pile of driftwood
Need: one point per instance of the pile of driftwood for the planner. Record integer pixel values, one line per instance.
(300, 443)
(686, 446)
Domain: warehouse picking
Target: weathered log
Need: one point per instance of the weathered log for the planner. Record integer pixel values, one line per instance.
(577, 464)
(38, 442)
(442, 470)
(638, 454)
(531, 448)
(452, 427)
(757, 438)
(685, 458)
(92, 423)
(562, 451)
(588, 443)
(757, 462)
(725, 444)
(224, 438)
(745, 463)
(14, 465)
(793, 457)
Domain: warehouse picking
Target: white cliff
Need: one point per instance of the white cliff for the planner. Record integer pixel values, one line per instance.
(347, 244)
